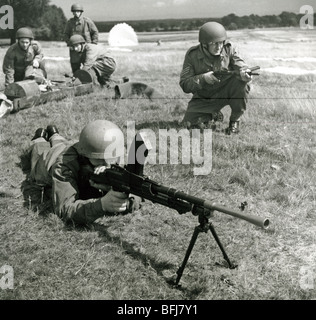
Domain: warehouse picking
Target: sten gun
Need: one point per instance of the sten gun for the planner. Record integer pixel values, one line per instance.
(131, 180)
(222, 73)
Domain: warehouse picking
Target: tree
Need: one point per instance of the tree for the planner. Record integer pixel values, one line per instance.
(53, 22)
(231, 20)
(232, 26)
(27, 13)
(47, 22)
(289, 19)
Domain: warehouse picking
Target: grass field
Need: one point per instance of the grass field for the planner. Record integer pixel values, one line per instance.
(270, 164)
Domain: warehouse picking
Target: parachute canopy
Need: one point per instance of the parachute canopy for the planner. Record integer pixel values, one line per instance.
(122, 35)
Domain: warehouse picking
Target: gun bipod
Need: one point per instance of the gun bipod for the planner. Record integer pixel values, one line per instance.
(204, 226)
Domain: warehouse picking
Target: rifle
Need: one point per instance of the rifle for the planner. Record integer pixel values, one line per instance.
(131, 180)
(236, 72)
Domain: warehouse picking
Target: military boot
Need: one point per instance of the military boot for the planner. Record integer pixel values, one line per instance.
(218, 116)
(40, 133)
(233, 127)
(51, 130)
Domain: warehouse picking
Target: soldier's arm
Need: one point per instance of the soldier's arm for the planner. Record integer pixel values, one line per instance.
(190, 82)
(236, 62)
(66, 202)
(91, 56)
(8, 67)
(67, 32)
(38, 52)
(94, 32)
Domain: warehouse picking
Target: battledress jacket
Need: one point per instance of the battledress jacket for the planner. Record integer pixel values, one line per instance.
(94, 56)
(197, 62)
(17, 60)
(83, 26)
(73, 198)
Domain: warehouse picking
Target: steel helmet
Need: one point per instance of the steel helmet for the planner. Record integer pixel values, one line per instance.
(24, 33)
(212, 32)
(76, 7)
(75, 39)
(101, 139)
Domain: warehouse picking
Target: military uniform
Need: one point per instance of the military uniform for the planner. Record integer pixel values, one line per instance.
(92, 57)
(67, 166)
(208, 99)
(83, 26)
(58, 164)
(18, 64)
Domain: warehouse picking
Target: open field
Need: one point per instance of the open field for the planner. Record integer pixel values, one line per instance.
(270, 164)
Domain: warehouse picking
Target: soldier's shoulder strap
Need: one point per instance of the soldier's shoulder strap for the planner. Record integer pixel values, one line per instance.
(193, 51)
(196, 47)
(87, 20)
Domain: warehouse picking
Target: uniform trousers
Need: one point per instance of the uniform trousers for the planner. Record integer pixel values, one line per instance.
(232, 92)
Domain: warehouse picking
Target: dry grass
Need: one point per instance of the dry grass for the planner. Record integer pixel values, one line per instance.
(270, 164)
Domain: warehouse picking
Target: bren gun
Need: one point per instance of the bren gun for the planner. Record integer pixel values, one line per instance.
(131, 180)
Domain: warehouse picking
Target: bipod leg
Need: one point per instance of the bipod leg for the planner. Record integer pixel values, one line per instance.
(230, 264)
(196, 232)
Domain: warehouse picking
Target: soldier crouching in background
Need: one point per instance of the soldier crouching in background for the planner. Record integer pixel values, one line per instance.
(210, 92)
(24, 59)
(66, 166)
(90, 57)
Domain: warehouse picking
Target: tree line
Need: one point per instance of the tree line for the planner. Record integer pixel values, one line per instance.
(231, 22)
(48, 21)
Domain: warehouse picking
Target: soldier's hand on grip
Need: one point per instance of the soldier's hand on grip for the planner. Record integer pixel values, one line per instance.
(245, 75)
(210, 78)
(114, 201)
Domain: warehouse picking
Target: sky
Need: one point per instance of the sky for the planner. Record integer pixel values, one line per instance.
(109, 10)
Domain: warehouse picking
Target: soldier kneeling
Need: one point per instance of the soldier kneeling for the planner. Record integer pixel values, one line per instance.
(92, 58)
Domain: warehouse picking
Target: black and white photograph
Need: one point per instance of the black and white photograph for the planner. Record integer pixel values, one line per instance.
(157, 154)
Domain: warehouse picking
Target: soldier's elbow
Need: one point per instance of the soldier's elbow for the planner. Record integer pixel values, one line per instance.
(184, 88)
